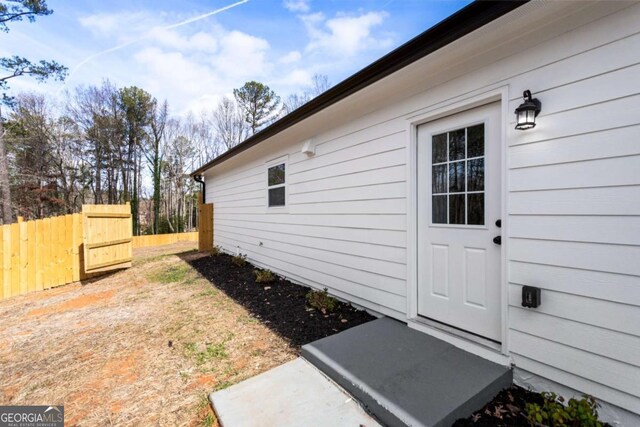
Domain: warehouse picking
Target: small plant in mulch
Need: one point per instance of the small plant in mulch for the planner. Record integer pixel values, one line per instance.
(239, 260)
(321, 300)
(217, 250)
(553, 412)
(264, 276)
(517, 407)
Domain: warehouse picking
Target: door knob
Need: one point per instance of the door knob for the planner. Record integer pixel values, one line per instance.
(497, 240)
(499, 223)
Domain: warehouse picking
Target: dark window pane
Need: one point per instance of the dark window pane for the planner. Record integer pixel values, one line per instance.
(439, 179)
(475, 203)
(456, 209)
(439, 209)
(456, 144)
(475, 175)
(475, 141)
(276, 196)
(456, 177)
(439, 148)
(276, 175)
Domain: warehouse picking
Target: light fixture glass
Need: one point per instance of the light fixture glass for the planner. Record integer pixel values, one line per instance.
(527, 112)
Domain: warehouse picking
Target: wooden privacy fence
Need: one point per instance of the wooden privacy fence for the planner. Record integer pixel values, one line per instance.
(41, 254)
(50, 252)
(163, 239)
(205, 226)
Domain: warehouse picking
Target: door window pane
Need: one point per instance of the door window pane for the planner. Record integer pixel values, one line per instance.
(456, 177)
(439, 179)
(456, 145)
(475, 176)
(439, 209)
(475, 141)
(439, 148)
(475, 205)
(456, 209)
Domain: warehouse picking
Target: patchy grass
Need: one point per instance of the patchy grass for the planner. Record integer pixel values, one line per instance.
(175, 273)
(143, 346)
(210, 352)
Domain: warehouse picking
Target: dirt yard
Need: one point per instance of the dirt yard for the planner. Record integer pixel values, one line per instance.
(140, 347)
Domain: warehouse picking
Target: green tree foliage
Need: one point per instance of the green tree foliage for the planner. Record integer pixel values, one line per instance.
(16, 66)
(17, 10)
(258, 103)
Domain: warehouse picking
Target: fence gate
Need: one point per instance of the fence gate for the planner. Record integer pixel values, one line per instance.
(107, 237)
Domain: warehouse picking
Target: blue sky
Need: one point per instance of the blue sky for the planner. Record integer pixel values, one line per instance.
(281, 43)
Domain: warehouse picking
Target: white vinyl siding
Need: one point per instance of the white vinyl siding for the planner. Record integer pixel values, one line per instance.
(573, 189)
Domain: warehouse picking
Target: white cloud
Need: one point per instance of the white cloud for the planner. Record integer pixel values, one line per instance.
(344, 35)
(194, 64)
(242, 56)
(194, 72)
(200, 41)
(291, 57)
(296, 5)
(295, 78)
(120, 25)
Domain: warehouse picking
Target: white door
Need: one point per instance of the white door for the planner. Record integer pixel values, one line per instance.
(459, 175)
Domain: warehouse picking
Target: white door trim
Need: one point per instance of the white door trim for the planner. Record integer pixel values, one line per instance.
(499, 93)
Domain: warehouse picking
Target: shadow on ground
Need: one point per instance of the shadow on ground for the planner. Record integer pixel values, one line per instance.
(279, 305)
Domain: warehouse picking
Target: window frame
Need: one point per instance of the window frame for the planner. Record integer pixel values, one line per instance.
(268, 165)
(447, 130)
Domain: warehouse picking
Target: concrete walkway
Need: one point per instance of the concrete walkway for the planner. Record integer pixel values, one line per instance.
(292, 395)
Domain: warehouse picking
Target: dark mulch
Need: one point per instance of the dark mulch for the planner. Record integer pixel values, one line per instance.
(506, 409)
(281, 305)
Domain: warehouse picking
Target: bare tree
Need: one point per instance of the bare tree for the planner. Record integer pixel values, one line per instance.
(155, 153)
(319, 84)
(228, 123)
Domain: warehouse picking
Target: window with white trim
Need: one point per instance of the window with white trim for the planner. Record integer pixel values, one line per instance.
(457, 188)
(276, 181)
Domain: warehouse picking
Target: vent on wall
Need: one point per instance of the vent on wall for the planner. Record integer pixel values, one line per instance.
(309, 148)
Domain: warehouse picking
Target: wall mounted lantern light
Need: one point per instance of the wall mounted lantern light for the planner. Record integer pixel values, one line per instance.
(527, 112)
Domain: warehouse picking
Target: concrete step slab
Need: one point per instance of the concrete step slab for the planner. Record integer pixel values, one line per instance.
(292, 395)
(407, 378)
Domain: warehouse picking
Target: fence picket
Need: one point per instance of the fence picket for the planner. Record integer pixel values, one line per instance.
(31, 256)
(76, 242)
(6, 260)
(23, 257)
(46, 253)
(39, 248)
(15, 259)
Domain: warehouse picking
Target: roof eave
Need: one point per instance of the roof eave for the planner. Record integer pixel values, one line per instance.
(461, 23)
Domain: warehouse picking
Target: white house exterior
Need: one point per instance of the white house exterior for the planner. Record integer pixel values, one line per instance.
(359, 215)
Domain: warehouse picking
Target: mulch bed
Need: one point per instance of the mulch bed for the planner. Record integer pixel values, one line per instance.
(280, 305)
(506, 409)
